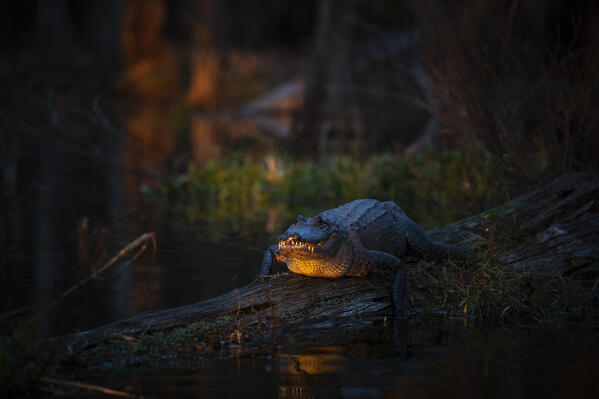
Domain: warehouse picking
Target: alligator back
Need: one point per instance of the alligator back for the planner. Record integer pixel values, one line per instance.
(381, 226)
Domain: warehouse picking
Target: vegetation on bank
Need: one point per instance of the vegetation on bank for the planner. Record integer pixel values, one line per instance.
(435, 187)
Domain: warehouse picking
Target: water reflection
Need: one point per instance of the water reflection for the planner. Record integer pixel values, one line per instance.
(442, 363)
(328, 359)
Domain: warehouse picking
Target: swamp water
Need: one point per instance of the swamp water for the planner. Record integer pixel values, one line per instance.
(459, 364)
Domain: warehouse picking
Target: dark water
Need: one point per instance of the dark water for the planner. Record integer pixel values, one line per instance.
(464, 364)
(189, 265)
(41, 242)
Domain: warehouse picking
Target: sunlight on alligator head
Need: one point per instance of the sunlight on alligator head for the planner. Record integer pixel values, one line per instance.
(310, 245)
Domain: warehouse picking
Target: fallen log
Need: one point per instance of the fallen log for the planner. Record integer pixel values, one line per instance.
(553, 230)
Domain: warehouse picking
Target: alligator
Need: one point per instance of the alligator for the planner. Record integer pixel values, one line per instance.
(355, 239)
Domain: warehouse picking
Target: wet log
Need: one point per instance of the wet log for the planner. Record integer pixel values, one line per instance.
(552, 230)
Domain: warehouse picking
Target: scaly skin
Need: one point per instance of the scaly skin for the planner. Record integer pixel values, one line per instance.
(355, 239)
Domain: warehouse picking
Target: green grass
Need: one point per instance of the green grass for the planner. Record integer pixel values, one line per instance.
(434, 188)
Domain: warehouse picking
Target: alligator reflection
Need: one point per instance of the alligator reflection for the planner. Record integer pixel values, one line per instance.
(515, 364)
(332, 370)
(329, 360)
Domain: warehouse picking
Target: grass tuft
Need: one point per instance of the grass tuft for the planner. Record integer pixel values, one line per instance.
(495, 293)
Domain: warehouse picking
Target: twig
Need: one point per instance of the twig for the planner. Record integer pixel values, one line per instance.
(8, 314)
(137, 342)
(237, 333)
(97, 388)
(139, 241)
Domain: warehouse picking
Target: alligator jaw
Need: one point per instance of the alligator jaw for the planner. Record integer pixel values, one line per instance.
(296, 243)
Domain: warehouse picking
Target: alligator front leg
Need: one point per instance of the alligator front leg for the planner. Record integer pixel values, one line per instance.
(270, 257)
(368, 261)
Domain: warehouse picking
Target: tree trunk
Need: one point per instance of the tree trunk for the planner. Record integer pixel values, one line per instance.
(552, 230)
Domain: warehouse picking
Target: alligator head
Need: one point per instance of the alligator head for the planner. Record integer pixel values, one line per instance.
(313, 247)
